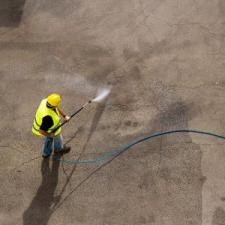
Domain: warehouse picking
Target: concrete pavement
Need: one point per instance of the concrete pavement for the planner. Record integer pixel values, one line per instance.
(165, 63)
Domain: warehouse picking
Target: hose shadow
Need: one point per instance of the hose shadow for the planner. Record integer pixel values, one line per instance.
(40, 208)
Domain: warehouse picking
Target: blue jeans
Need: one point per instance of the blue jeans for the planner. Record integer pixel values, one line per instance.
(58, 144)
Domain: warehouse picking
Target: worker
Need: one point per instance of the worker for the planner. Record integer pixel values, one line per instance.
(46, 120)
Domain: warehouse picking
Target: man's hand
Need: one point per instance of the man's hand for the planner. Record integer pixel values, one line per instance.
(67, 118)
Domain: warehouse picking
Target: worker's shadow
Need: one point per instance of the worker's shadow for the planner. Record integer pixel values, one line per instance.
(40, 209)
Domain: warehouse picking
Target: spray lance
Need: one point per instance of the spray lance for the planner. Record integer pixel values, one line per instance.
(102, 94)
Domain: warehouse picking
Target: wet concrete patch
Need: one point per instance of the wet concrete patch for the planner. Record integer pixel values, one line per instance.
(179, 169)
(11, 12)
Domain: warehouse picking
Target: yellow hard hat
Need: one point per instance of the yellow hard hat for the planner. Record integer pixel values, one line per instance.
(54, 99)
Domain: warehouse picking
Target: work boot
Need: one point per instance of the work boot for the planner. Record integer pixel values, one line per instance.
(45, 156)
(66, 149)
(63, 151)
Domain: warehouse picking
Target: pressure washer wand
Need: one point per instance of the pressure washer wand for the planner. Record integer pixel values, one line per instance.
(75, 113)
(103, 94)
(71, 116)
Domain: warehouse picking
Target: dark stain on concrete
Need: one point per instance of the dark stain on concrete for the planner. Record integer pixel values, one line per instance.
(98, 61)
(150, 219)
(203, 179)
(162, 47)
(176, 114)
(129, 53)
(11, 12)
(219, 217)
(39, 211)
(135, 73)
(96, 52)
(179, 169)
(147, 180)
(128, 123)
(145, 220)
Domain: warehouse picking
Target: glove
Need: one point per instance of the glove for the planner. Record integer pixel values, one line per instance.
(67, 118)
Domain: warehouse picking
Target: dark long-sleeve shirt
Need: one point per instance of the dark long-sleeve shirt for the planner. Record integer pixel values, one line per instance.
(47, 122)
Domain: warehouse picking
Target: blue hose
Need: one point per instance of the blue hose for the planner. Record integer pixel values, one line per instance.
(109, 155)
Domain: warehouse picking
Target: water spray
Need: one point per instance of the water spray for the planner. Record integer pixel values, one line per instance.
(102, 93)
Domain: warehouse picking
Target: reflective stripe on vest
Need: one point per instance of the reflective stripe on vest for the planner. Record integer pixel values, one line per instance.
(43, 111)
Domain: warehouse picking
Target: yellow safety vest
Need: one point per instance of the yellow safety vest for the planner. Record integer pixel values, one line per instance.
(43, 111)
